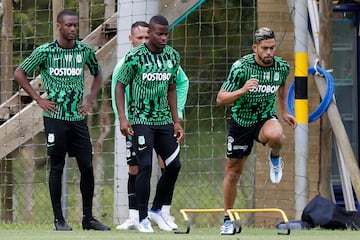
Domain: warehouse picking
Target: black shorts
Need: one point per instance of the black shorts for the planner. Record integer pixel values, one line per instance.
(70, 137)
(160, 138)
(240, 140)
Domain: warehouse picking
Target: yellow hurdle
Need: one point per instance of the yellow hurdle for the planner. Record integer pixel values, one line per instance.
(233, 214)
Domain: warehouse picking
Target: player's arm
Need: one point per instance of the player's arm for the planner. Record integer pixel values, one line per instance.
(21, 79)
(125, 126)
(282, 95)
(95, 87)
(172, 98)
(235, 86)
(182, 87)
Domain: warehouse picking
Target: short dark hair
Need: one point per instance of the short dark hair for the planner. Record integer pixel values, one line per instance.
(159, 19)
(63, 13)
(139, 24)
(263, 33)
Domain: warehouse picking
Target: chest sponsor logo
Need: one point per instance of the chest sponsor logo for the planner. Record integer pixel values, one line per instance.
(156, 76)
(265, 89)
(65, 71)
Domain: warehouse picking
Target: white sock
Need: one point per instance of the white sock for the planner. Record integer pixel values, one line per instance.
(134, 214)
(166, 209)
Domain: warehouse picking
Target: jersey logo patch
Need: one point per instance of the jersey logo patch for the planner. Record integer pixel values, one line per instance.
(276, 76)
(78, 58)
(170, 64)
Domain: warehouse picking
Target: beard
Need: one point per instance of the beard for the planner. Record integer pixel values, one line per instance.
(267, 60)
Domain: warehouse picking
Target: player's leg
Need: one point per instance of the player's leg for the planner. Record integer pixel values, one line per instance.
(239, 143)
(55, 131)
(169, 151)
(81, 149)
(166, 206)
(271, 133)
(133, 220)
(143, 142)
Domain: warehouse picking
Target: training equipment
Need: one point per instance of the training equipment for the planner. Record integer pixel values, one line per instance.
(234, 216)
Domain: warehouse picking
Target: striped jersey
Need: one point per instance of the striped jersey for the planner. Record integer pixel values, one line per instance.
(260, 103)
(182, 87)
(62, 73)
(149, 76)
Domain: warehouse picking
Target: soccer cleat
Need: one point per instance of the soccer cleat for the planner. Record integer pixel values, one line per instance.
(129, 224)
(228, 228)
(170, 220)
(61, 225)
(276, 166)
(159, 220)
(93, 224)
(145, 226)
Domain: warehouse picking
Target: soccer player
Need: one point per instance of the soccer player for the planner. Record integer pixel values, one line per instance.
(61, 64)
(252, 86)
(150, 70)
(139, 35)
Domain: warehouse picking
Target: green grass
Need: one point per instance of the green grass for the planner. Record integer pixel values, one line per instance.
(39, 232)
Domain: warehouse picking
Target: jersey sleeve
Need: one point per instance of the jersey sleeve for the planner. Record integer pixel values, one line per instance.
(114, 77)
(92, 62)
(126, 72)
(235, 79)
(36, 58)
(182, 87)
(176, 67)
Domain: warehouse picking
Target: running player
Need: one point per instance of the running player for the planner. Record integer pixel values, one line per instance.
(252, 86)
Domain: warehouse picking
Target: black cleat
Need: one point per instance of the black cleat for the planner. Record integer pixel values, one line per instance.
(94, 224)
(61, 225)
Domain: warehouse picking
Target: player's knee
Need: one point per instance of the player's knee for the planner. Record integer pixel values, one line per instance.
(175, 165)
(89, 171)
(233, 176)
(133, 170)
(277, 138)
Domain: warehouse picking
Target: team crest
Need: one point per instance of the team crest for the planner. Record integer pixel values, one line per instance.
(141, 140)
(78, 58)
(170, 64)
(266, 76)
(276, 76)
(51, 138)
(159, 63)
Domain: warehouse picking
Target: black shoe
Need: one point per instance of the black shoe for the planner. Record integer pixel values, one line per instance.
(94, 224)
(61, 225)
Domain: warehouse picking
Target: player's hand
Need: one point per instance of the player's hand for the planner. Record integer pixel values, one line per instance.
(48, 106)
(178, 132)
(84, 108)
(290, 120)
(251, 85)
(125, 127)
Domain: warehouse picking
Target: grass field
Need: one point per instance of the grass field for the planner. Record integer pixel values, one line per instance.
(43, 232)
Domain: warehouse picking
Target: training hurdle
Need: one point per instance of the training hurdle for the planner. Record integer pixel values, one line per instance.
(234, 216)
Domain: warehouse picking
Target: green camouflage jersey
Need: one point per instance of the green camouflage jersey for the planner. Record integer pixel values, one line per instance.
(62, 73)
(260, 103)
(149, 76)
(182, 87)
